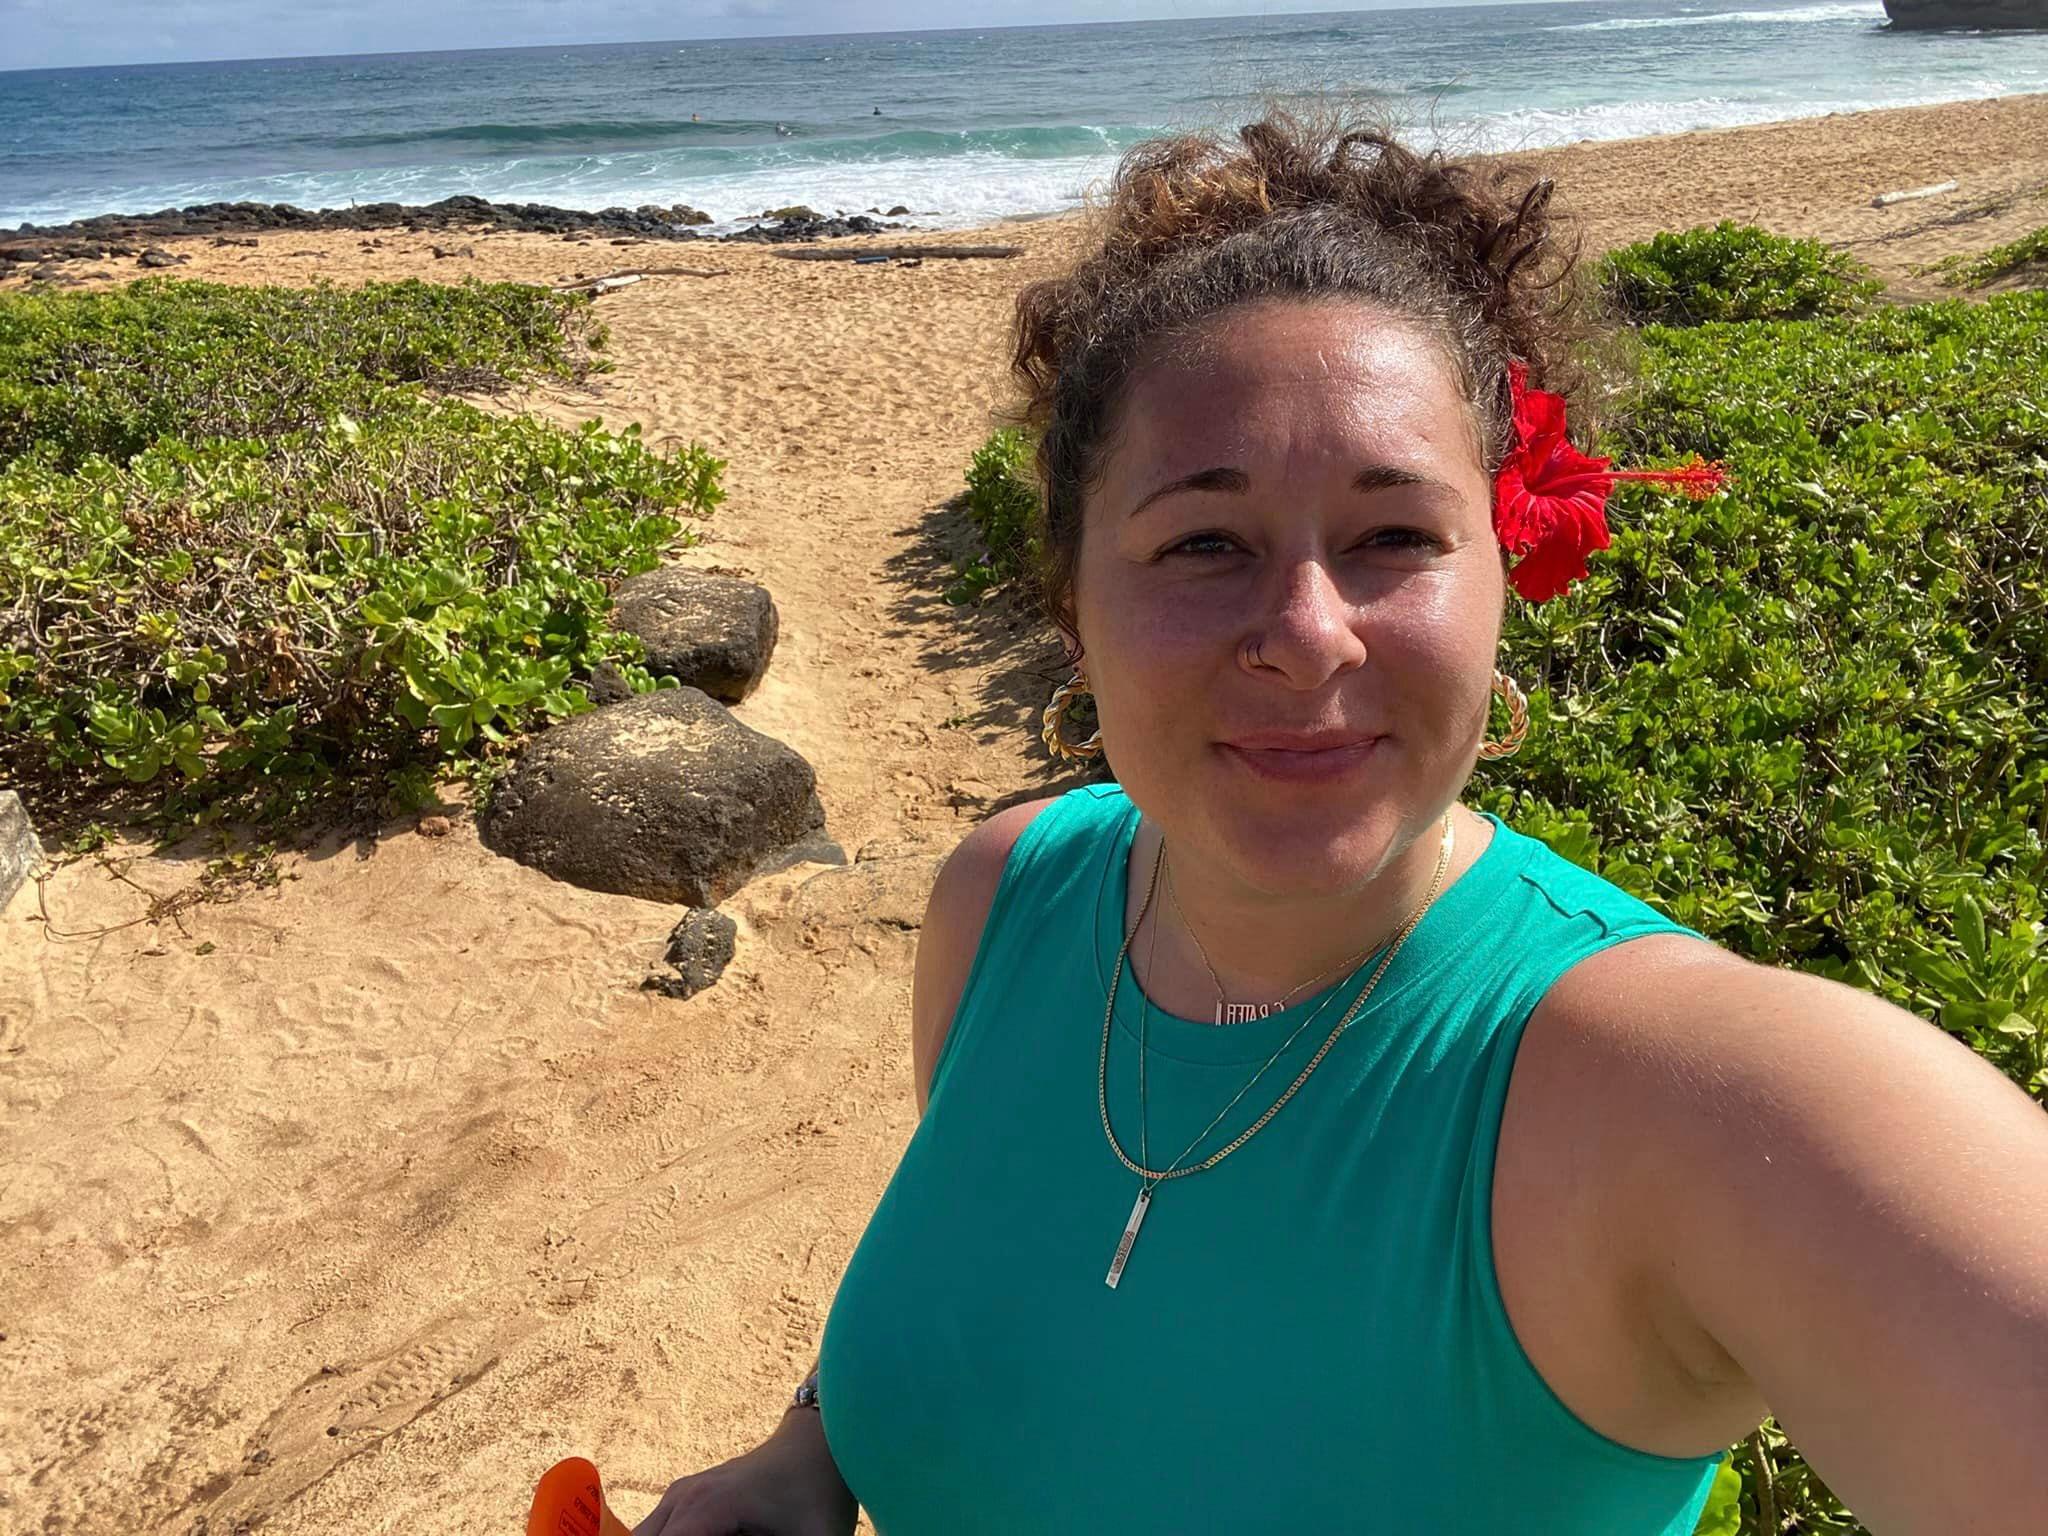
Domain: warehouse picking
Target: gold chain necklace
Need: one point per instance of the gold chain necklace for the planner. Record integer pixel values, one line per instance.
(1144, 1045)
(1150, 1179)
(1228, 1012)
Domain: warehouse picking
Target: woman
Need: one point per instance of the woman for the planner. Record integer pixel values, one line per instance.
(1487, 1199)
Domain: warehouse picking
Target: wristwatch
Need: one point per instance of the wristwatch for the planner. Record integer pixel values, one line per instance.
(807, 1394)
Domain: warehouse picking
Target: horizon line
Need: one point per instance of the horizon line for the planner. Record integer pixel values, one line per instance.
(794, 37)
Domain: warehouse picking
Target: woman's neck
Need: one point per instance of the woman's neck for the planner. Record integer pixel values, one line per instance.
(1263, 947)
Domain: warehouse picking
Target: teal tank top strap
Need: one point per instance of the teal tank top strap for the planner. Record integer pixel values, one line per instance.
(1052, 868)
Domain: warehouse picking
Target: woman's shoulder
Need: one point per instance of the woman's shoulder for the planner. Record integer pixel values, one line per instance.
(972, 871)
(963, 894)
(975, 867)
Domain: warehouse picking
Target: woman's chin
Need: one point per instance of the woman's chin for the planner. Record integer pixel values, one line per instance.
(1303, 854)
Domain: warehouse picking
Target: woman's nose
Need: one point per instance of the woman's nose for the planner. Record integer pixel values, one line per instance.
(1310, 632)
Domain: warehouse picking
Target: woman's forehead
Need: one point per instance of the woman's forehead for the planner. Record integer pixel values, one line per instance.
(1337, 380)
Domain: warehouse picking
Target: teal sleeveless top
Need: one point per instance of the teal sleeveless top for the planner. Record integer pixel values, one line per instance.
(1307, 1338)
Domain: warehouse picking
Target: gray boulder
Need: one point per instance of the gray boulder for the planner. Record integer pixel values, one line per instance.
(663, 795)
(21, 852)
(716, 633)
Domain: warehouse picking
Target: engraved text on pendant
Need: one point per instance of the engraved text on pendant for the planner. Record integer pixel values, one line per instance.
(1123, 1248)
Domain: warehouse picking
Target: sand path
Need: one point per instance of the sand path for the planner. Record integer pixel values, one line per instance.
(349, 1205)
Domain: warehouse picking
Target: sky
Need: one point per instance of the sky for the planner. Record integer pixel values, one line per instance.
(42, 34)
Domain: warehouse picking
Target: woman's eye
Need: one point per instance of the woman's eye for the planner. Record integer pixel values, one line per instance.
(1401, 538)
(1202, 544)
(1383, 538)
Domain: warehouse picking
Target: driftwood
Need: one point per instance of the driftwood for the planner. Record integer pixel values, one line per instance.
(902, 252)
(594, 286)
(1886, 199)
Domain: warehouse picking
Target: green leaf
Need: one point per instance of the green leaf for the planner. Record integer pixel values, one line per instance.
(1722, 1513)
(382, 608)
(1970, 931)
(1939, 975)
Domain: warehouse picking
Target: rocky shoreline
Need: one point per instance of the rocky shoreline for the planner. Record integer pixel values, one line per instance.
(131, 234)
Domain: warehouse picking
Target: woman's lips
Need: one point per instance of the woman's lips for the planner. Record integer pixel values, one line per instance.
(1302, 765)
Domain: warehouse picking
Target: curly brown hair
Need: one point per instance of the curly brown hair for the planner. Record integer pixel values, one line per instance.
(1469, 251)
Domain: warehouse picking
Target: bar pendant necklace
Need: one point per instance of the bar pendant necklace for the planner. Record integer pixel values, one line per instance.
(1150, 1179)
(1123, 1248)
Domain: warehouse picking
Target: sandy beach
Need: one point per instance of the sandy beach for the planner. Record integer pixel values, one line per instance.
(350, 1205)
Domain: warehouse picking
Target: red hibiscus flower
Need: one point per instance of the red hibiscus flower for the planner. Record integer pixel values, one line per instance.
(1550, 500)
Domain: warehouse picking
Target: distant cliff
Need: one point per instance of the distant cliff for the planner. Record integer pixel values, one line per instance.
(2000, 15)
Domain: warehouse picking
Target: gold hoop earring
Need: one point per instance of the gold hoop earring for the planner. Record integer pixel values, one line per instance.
(1518, 719)
(1063, 697)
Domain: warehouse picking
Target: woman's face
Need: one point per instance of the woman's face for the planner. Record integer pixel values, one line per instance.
(1288, 594)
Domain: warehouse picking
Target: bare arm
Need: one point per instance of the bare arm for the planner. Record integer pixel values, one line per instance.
(1853, 1207)
(953, 919)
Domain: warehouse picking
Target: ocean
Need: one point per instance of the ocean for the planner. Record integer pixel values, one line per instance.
(964, 127)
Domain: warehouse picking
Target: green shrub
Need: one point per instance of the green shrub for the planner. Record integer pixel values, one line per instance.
(110, 373)
(2026, 254)
(1002, 503)
(346, 608)
(1806, 716)
(1730, 272)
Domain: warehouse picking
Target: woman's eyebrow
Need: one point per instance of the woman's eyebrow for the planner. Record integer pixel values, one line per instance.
(1380, 477)
(1374, 477)
(1219, 478)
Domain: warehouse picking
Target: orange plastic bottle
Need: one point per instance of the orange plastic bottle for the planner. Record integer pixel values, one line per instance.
(570, 1502)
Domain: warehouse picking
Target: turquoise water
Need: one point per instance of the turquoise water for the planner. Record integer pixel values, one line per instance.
(974, 125)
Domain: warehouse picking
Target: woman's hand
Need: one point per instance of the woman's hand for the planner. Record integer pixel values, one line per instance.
(786, 1486)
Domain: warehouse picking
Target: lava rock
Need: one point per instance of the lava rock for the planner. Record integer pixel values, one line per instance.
(700, 948)
(675, 213)
(664, 795)
(790, 230)
(1970, 15)
(649, 221)
(716, 633)
(607, 685)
